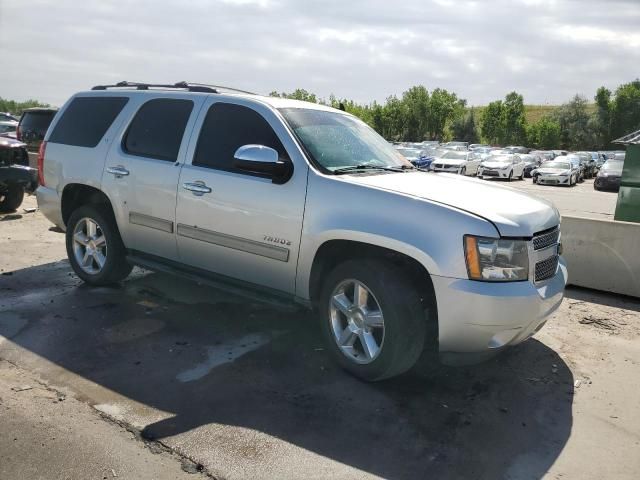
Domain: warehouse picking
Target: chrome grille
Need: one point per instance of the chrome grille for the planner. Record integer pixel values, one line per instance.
(546, 268)
(546, 239)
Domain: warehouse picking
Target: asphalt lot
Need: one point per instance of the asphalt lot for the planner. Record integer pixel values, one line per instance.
(241, 390)
(580, 200)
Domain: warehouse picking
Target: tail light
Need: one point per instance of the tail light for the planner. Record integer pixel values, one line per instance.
(18, 134)
(43, 147)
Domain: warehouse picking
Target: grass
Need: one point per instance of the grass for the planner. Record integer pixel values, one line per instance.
(533, 113)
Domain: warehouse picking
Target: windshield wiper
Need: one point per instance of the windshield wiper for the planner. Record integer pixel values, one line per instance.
(357, 168)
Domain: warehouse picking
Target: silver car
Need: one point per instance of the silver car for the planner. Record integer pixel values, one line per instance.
(462, 162)
(292, 202)
(557, 172)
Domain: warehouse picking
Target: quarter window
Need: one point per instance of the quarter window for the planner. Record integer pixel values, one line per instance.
(228, 127)
(157, 129)
(84, 122)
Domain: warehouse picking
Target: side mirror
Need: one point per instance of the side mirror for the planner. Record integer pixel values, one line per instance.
(263, 160)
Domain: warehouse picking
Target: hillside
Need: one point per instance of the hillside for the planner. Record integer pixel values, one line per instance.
(533, 113)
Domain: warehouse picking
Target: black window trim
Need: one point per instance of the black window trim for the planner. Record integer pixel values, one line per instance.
(232, 170)
(162, 158)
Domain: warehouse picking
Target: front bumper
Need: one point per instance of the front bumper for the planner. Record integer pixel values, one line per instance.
(553, 180)
(49, 205)
(493, 173)
(478, 319)
(445, 168)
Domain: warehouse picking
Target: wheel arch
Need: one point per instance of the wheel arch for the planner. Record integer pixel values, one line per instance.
(75, 195)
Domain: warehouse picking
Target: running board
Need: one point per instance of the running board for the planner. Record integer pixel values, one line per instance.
(220, 282)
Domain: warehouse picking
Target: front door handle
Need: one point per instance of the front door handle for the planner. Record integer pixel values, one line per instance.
(198, 188)
(118, 171)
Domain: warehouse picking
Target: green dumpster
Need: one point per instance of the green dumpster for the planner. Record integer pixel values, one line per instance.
(628, 207)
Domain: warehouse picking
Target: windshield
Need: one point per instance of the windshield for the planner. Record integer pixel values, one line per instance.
(562, 165)
(409, 152)
(455, 155)
(613, 165)
(336, 140)
(500, 158)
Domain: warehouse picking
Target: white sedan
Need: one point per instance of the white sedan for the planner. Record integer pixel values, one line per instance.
(502, 166)
(464, 163)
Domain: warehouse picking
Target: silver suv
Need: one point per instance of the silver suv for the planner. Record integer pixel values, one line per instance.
(289, 201)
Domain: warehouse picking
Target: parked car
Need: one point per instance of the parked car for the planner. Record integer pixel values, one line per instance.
(7, 127)
(578, 163)
(33, 126)
(16, 177)
(7, 117)
(609, 176)
(456, 145)
(545, 155)
(464, 163)
(517, 149)
(502, 166)
(559, 171)
(289, 201)
(417, 157)
(589, 164)
(531, 162)
(475, 146)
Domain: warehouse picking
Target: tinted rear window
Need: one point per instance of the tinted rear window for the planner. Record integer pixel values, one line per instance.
(86, 120)
(157, 129)
(39, 121)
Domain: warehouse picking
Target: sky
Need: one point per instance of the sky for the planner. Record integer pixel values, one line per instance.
(547, 50)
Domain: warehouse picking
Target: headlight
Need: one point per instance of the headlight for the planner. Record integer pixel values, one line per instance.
(496, 260)
(504, 168)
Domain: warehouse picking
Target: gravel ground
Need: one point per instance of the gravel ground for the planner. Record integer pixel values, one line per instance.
(240, 390)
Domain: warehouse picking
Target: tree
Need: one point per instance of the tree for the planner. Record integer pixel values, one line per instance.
(17, 108)
(444, 108)
(298, 94)
(492, 117)
(416, 102)
(601, 123)
(464, 128)
(576, 129)
(544, 134)
(513, 120)
(626, 109)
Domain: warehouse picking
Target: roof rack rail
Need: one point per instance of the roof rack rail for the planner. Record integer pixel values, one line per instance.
(192, 87)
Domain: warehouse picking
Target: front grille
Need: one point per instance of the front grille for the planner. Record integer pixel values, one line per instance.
(546, 239)
(546, 268)
(489, 173)
(437, 165)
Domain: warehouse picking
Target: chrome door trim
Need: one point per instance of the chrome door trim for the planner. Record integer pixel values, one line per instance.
(236, 243)
(151, 222)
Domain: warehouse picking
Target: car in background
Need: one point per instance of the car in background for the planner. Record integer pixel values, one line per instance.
(620, 156)
(579, 164)
(545, 155)
(559, 153)
(455, 145)
(475, 146)
(609, 176)
(499, 151)
(7, 117)
(483, 152)
(430, 143)
(16, 177)
(416, 156)
(589, 164)
(531, 162)
(508, 166)
(7, 127)
(453, 161)
(559, 171)
(33, 126)
(517, 149)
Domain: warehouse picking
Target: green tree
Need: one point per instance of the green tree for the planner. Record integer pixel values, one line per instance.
(602, 119)
(544, 134)
(575, 125)
(416, 103)
(513, 120)
(626, 109)
(492, 118)
(17, 108)
(297, 94)
(444, 108)
(464, 128)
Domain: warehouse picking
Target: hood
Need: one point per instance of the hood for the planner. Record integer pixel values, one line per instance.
(449, 161)
(513, 212)
(490, 164)
(553, 171)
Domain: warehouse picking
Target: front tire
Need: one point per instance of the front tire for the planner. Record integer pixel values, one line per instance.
(372, 319)
(12, 198)
(94, 246)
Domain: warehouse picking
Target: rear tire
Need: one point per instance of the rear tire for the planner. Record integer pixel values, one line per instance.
(463, 171)
(94, 246)
(12, 198)
(510, 178)
(400, 339)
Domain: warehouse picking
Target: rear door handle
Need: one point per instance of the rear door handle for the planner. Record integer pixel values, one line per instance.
(118, 171)
(198, 188)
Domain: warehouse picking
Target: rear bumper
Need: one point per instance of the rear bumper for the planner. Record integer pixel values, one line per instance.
(612, 183)
(478, 319)
(49, 204)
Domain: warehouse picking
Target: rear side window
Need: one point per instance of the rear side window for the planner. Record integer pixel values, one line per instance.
(228, 127)
(38, 121)
(86, 120)
(157, 129)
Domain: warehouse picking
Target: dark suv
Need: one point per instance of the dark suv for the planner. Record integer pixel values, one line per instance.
(33, 126)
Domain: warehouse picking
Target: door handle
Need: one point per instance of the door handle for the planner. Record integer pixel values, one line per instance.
(198, 188)
(118, 171)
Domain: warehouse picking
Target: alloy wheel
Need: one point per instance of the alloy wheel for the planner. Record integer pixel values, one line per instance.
(357, 322)
(89, 246)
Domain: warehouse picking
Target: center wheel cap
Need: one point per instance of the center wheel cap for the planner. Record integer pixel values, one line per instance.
(357, 317)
